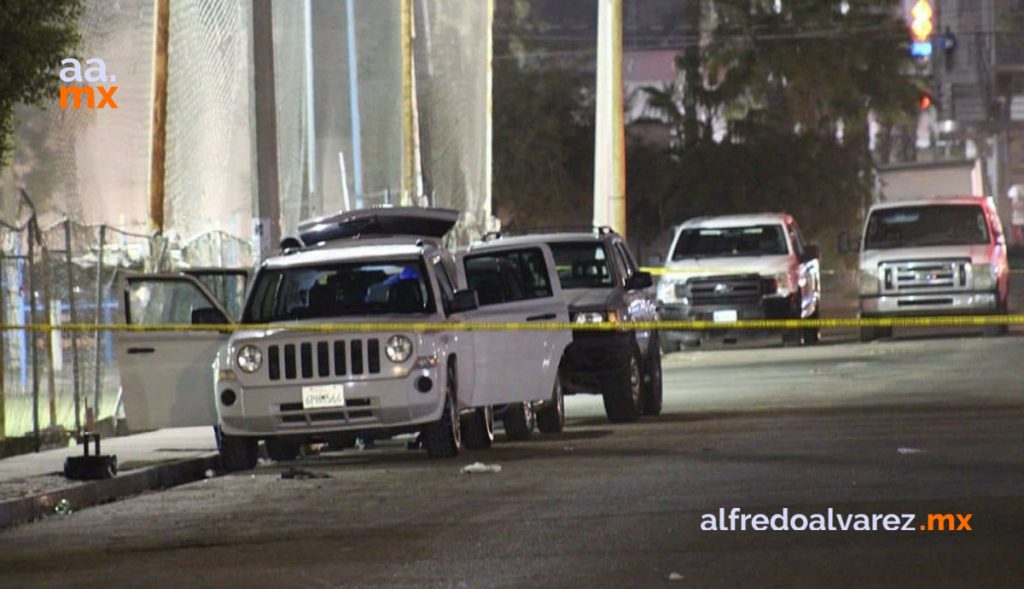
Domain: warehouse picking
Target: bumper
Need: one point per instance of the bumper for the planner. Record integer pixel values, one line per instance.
(767, 308)
(593, 357)
(370, 404)
(929, 304)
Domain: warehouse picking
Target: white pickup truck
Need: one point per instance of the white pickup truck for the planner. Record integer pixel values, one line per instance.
(937, 256)
(739, 267)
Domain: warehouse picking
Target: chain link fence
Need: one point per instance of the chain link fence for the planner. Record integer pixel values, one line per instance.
(55, 384)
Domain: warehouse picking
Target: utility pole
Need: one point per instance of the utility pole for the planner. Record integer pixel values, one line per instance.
(609, 137)
(353, 98)
(268, 204)
(158, 130)
(410, 166)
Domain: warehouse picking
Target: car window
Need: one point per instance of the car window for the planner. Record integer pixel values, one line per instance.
(796, 238)
(582, 264)
(444, 281)
(343, 289)
(508, 276)
(164, 302)
(753, 240)
(627, 259)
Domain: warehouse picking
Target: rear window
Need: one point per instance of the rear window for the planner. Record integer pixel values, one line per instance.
(582, 264)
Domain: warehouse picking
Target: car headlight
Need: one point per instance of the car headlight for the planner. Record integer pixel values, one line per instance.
(398, 348)
(783, 284)
(249, 359)
(985, 277)
(596, 317)
(667, 290)
(868, 282)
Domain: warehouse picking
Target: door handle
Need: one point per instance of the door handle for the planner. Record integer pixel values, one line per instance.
(141, 350)
(544, 317)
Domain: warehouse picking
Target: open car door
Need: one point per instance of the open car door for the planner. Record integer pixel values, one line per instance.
(514, 284)
(167, 376)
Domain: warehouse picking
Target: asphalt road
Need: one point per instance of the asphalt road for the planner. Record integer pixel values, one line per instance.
(921, 425)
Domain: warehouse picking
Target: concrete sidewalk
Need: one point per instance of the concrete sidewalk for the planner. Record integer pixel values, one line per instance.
(32, 484)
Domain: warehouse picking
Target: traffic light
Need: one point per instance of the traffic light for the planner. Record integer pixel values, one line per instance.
(922, 24)
(926, 102)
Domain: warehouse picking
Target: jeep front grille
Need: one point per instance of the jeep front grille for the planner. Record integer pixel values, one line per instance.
(325, 358)
(723, 290)
(924, 276)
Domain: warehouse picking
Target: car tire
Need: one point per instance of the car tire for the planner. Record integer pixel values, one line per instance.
(478, 429)
(443, 438)
(793, 338)
(997, 330)
(870, 334)
(812, 335)
(282, 450)
(668, 346)
(652, 392)
(519, 421)
(237, 453)
(551, 418)
(623, 399)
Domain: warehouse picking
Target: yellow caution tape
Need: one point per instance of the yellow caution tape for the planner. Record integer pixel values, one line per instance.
(658, 271)
(664, 325)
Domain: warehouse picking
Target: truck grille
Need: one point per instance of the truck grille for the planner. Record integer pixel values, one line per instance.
(325, 358)
(723, 290)
(925, 276)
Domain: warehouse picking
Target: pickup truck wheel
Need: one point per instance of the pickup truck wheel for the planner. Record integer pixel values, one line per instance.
(551, 419)
(793, 338)
(443, 438)
(870, 334)
(623, 397)
(478, 429)
(519, 421)
(652, 384)
(280, 450)
(812, 335)
(237, 453)
(997, 330)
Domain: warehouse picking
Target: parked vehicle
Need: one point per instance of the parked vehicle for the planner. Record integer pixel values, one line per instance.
(295, 385)
(737, 267)
(601, 282)
(933, 257)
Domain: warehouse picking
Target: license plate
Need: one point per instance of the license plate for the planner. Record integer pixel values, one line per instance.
(320, 396)
(724, 316)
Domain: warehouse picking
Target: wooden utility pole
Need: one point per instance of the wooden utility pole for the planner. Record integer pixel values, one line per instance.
(609, 137)
(408, 193)
(158, 130)
(267, 187)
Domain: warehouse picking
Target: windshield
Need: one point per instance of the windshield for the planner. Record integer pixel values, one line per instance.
(582, 265)
(928, 225)
(340, 290)
(755, 240)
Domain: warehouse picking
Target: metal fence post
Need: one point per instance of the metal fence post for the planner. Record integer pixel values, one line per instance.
(51, 383)
(98, 374)
(73, 316)
(32, 333)
(3, 349)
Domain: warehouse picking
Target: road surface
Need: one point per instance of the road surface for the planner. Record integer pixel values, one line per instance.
(921, 425)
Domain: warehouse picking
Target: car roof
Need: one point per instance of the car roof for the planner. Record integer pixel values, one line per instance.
(348, 251)
(946, 200)
(548, 238)
(743, 220)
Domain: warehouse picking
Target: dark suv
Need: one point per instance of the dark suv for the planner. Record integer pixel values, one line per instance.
(601, 282)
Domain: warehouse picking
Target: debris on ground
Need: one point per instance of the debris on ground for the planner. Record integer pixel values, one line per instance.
(481, 468)
(63, 507)
(209, 473)
(675, 577)
(904, 450)
(302, 474)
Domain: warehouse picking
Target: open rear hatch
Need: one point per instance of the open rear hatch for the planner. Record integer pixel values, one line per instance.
(415, 221)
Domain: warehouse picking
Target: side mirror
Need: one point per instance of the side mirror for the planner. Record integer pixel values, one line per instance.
(844, 244)
(208, 316)
(639, 281)
(811, 252)
(464, 300)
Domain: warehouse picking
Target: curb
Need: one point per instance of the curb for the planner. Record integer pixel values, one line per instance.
(20, 511)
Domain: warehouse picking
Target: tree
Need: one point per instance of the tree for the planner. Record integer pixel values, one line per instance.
(784, 97)
(35, 35)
